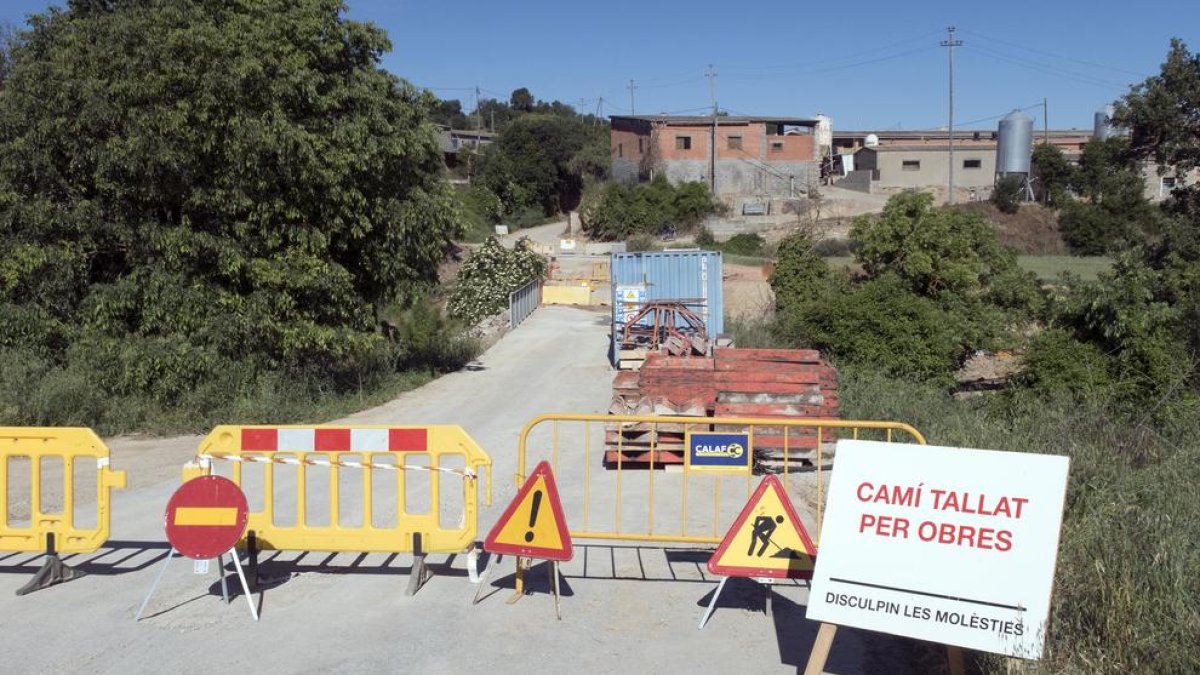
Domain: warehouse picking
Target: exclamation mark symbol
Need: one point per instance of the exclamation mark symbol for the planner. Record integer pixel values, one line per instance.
(537, 501)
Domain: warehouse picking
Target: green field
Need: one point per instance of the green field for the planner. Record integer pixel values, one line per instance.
(1046, 267)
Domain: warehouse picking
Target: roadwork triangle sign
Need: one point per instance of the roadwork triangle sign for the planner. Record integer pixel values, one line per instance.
(767, 539)
(533, 525)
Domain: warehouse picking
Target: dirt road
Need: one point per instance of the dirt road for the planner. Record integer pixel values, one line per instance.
(625, 607)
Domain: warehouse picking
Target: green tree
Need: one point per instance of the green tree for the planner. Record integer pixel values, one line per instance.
(536, 152)
(1114, 213)
(935, 251)
(800, 273)
(521, 100)
(1163, 116)
(240, 193)
(1055, 174)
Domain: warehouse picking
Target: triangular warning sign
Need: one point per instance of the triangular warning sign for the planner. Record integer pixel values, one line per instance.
(767, 539)
(533, 525)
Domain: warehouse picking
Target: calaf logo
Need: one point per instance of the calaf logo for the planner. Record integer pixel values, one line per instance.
(719, 451)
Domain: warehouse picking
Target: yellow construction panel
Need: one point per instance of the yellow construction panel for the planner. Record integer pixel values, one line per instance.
(566, 295)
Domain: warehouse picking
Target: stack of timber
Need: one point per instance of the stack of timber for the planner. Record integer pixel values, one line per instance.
(757, 383)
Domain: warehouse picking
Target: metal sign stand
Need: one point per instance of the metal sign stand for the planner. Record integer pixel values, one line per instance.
(519, 583)
(237, 563)
(712, 604)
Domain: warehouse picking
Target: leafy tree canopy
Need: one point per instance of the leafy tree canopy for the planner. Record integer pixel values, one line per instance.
(189, 186)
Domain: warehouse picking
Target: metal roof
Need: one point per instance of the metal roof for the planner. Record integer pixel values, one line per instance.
(689, 120)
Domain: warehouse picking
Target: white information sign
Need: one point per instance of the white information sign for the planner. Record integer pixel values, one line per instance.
(949, 545)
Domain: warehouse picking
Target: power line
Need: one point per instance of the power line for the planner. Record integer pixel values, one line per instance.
(820, 71)
(1052, 55)
(1080, 78)
(810, 62)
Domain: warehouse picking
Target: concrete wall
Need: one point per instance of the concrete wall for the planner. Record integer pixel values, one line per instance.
(934, 168)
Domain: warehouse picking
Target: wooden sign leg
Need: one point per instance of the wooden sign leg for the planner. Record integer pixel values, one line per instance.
(954, 658)
(820, 650)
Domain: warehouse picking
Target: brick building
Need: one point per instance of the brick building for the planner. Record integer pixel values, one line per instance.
(766, 156)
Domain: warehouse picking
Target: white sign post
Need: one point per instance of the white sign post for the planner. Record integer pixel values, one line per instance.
(941, 544)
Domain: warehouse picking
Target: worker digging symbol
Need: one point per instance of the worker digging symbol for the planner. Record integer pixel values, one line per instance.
(537, 501)
(764, 527)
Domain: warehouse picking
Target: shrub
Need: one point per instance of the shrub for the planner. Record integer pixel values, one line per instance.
(748, 244)
(879, 323)
(704, 238)
(1056, 364)
(615, 211)
(642, 242)
(1009, 193)
(800, 274)
(488, 276)
(835, 248)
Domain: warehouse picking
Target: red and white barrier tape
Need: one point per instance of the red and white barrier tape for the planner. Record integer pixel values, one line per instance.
(295, 461)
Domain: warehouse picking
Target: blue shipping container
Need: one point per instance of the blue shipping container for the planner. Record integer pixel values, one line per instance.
(693, 276)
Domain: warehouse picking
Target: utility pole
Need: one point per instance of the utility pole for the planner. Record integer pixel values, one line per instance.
(478, 115)
(951, 43)
(1046, 140)
(712, 161)
(599, 111)
(631, 87)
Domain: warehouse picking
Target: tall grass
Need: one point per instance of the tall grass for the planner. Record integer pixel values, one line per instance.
(1128, 576)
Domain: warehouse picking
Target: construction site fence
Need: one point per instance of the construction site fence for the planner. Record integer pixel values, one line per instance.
(395, 489)
(634, 484)
(55, 484)
(523, 301)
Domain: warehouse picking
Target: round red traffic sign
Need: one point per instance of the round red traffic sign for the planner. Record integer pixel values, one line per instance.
(206, 517)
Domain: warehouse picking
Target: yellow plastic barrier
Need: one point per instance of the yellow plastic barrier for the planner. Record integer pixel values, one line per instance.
(379, 462)
(54, 456)
(806, 440)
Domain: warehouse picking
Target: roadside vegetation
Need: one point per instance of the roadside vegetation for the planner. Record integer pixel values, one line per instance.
(1110, 372)
(214, 226)
(618, 211)
(543, 156)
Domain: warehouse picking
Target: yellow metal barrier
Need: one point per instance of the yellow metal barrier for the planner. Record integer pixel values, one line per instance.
(611, 504)
(67, 471)
(386, 467)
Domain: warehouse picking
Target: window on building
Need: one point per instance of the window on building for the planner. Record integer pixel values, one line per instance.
(776, 146)
(1166, 185)
(972, 163)
(620, 149)
(734, 142)
(910, 165)
(683, 142)
(640, 148)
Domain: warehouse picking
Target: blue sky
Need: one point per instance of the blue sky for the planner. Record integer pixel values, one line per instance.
(870, 65)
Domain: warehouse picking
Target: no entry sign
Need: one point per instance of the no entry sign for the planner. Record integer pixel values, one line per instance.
(206, 517)
(949, 545)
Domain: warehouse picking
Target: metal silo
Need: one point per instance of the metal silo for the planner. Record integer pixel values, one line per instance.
(1014, 144)
(1102, 127)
